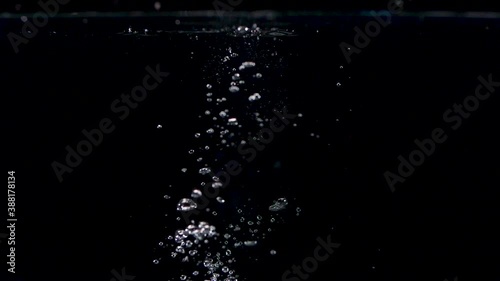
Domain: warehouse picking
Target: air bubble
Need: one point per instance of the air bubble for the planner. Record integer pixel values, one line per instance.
(254, 97)
(278, 205)
(196, 193)
(250, 243)
(186, 204)
(234, 89)
(204, 171)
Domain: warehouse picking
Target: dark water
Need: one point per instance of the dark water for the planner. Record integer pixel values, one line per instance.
(356, 119)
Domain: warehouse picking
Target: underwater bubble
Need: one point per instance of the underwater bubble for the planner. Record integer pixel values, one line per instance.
(216, 184)
(236, 76)
(258, 75)
(338, 84)
(247, 64)
(159, 127)
(184, 170)
(220, 200)
(166, 196)
(191, 151)
(180, 250)
(207, 112)
(232, 121)
(209, 86)
(186, 204)
(210, 131)
(278, 205)
(156, 261)
(222, 114)
(250, 243)
(204, 171)
(272, 252)
(254, 97)
(196, 193)
(234, 89)
(197, 135)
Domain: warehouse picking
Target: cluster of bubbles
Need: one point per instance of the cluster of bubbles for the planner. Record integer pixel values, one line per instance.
(211, 251)
(227, 126)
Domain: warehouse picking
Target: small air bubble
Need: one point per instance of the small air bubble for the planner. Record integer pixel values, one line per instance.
(234, 89)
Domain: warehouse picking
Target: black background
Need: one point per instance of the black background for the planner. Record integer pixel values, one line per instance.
(109, 212)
